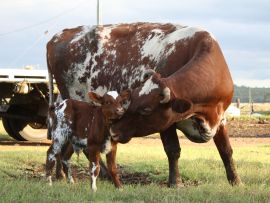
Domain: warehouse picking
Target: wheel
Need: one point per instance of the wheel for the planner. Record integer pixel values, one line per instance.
(9, 130)
(22, 130)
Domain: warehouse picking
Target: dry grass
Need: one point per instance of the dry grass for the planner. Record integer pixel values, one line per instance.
(263, 108)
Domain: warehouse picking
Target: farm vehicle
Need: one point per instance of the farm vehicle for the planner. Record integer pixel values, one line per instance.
(24, 103)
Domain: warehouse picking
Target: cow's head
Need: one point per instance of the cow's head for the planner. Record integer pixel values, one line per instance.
(111, 103)
(153, 108)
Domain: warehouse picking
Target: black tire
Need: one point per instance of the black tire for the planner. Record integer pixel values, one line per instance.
(9, 130)
(22, 130)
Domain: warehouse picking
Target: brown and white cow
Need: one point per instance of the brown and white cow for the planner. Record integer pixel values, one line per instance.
(77, 125)
(191, 94)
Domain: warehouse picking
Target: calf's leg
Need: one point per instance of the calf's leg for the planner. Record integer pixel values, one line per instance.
(223, 145)
(65, 159)
(94, 157)
(50, 161)
(172, 148)
(103, 169)
(112, 165)
(52, 153)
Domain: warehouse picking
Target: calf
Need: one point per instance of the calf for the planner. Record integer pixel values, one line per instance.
(77, 125)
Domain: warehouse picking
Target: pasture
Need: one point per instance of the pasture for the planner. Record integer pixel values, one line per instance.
(144, 170)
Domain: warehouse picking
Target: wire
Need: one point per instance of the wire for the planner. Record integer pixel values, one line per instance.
(43, 35)
(42, 22)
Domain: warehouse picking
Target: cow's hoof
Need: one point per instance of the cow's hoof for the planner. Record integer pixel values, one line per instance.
(236, 182)
(120, 188)
(177, 184)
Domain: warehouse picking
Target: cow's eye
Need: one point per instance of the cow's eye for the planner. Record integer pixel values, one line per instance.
(145, 111)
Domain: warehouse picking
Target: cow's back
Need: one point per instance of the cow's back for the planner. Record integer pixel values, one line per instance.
(114, 57)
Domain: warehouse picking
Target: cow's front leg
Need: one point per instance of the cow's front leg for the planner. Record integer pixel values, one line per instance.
(112, 165)
(94, 157)
(222, 142)
(172, 148)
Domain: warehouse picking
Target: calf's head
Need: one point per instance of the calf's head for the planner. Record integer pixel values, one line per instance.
(153, 108)
(111, 103)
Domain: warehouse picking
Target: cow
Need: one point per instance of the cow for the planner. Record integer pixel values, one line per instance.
(77, 125)
(190, 91)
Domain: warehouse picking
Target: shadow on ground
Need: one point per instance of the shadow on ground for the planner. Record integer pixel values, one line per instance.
(35, 171)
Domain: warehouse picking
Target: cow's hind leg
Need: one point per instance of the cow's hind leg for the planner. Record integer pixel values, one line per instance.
(222, 142)
(172, 148)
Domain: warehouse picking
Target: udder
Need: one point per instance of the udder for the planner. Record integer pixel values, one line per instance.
(196, 130)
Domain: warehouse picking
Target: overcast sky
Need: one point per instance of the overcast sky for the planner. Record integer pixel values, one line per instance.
(242, 28)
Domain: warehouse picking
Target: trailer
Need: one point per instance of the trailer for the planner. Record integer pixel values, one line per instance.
(24, 103)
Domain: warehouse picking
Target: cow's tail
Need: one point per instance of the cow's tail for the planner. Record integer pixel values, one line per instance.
(51, 96)
(51, 100)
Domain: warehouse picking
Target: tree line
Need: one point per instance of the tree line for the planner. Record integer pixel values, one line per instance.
(247, 94)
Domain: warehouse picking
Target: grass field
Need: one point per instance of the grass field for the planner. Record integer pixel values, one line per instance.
(22, 175)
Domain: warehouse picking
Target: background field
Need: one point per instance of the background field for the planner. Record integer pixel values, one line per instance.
(144, 170)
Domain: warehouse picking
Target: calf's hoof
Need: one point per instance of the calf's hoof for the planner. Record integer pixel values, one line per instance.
(60, 175)
(94, 189)
(49, 180)
(71, 180)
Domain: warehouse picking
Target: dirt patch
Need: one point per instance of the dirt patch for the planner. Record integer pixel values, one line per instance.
(37, 172)
(249, 128)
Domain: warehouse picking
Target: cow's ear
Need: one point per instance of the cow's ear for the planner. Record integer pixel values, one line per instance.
(95, 97)
(181, 105)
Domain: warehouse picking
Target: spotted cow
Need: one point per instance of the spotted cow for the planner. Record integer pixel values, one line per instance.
(190, 91)
(77, 125)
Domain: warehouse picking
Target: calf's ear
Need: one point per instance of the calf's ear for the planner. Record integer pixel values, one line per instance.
(181, 105)
(95, 97)
(125, 95)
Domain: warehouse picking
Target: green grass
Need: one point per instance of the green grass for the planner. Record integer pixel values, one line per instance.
(199, 164)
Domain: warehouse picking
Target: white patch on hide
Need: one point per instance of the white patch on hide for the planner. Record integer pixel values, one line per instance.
(81, 34)
(62, 131)
(107, 146)
(93, 177)
(101, 90)
(114, 94)
(158, 45)
(79, 144)
(148, 87)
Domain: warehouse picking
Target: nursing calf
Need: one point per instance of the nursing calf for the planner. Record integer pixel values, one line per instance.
(76, 126)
